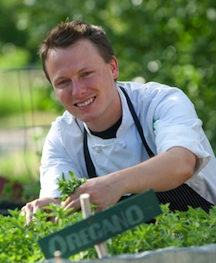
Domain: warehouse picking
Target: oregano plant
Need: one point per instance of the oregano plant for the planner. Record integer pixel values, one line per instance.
(18, 243)
(68, 186)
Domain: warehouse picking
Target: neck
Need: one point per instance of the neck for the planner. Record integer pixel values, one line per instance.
(105, 125)
(109, 119)
(109, 133)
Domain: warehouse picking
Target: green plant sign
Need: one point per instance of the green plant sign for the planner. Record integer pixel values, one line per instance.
(102, 226)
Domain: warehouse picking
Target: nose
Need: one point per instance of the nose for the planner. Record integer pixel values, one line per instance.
(78, 88)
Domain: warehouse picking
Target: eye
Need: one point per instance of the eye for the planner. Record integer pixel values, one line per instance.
(62, 83)
(86, 74)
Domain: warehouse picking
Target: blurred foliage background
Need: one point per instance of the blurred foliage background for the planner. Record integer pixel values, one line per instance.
(172, 42)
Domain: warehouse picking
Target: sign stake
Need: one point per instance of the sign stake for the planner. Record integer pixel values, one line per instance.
(57, 255)
(101, 248)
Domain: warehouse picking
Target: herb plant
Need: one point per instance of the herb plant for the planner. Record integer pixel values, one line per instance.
(67, 187)
(18, 243)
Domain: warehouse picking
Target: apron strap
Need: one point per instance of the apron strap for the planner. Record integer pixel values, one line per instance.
(89, 164)
(137, 123)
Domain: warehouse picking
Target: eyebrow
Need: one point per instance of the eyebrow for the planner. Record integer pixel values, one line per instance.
(85, 68)
(79, 71)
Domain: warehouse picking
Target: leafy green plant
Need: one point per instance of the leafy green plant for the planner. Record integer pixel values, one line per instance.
(67, 187)
(194, 227)
(18, 243)
(180, 229)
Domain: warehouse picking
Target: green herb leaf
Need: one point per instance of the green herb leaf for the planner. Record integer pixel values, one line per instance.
(67, 187)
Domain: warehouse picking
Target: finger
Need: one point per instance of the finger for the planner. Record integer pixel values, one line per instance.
(72, 197)
(73, 201)
(67, 201)
(75, 205)
(35, 208)
(29, 214)
(22, 212)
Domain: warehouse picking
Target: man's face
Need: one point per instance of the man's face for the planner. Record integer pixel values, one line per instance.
(85, 84)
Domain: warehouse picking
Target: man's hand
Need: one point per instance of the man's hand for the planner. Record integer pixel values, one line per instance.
(104, 191)
(32, 207)
(163, 172)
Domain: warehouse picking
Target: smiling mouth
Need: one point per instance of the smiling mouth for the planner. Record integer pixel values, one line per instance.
(85, 103)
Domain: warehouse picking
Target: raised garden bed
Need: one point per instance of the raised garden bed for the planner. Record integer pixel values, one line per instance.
(5, 206)
(194, 230)
(202, 254)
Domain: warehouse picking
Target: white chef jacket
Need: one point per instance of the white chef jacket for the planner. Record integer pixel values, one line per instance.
(168, 119)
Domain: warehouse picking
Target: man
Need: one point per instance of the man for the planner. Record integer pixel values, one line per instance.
(126, 137)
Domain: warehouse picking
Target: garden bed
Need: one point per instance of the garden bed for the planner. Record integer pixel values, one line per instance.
(175, 237)
(6, 206)
(202, 254)
(172, 237)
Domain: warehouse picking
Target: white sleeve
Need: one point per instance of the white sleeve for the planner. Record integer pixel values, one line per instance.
(182, 136)
(54, 162)
(177, 124)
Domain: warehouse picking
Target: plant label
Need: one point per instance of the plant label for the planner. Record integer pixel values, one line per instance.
(97, 228)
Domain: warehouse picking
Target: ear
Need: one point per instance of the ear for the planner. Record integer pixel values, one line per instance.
(114, 67)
